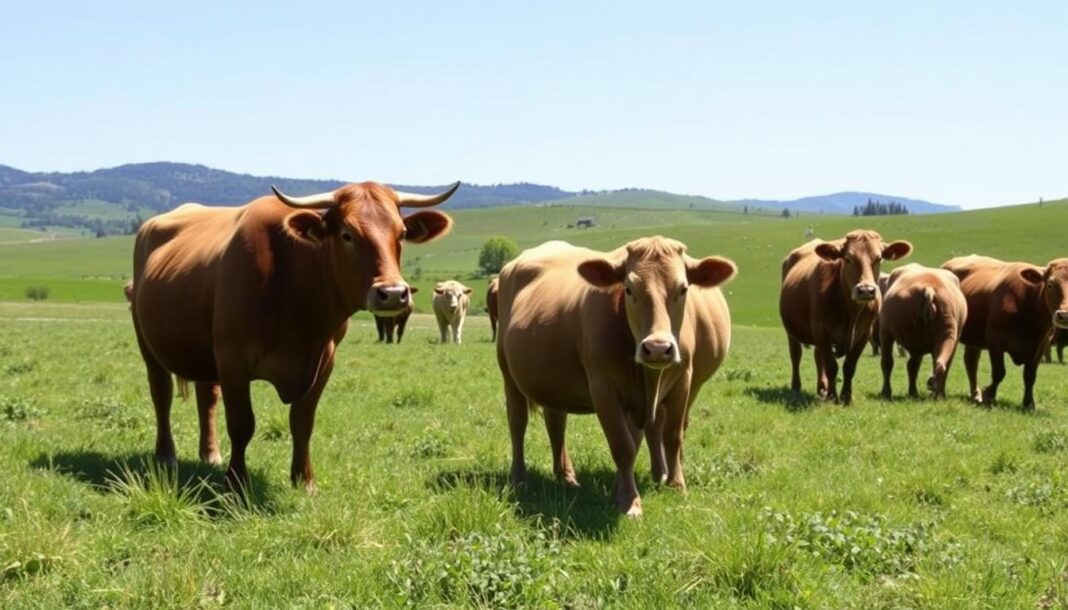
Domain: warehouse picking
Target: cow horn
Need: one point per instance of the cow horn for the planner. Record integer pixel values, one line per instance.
(318, 202)
(414, 200)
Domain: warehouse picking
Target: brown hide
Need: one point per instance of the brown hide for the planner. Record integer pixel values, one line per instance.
(924, 311)
(225, 295)
(573, 347)
(491, 304)
(1012, 307)
(830, 299)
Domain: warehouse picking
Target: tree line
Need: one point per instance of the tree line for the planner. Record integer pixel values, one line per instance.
(878, 208)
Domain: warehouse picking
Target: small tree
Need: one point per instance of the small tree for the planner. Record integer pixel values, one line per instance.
(786, 212)
(37, 293)
(495, 253)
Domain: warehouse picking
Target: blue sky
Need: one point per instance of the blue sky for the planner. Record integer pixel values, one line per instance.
(956, 102)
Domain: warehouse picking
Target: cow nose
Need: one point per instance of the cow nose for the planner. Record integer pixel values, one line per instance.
(864, 292)
(658, 352)
(1060, 318)
(385, 299)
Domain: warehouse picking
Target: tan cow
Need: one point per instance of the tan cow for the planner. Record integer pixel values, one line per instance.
(1014, 309)
(630, 335)
(225, 295)
(924, 311)
(829, 299)
(491, 304)
(884, 285)
(450, 308)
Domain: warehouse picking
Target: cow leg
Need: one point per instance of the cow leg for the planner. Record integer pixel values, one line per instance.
(457, 331)
(915, 360)
(654, 436)
(795, 365)
(887, 362)
(1060, 353)
(822, 388)
(443, 327)
(1030, 374)
(207, 401)
(616, 426)
(997, 373)
(518, 407)
(849, 369)
(380, 326)
(556, 425)
(493, 329)
(161, 388)
(302, 422)
(971, 367)
(400, 329)
(389, 325)
(240, 425)
(830, 369)
(674, 411)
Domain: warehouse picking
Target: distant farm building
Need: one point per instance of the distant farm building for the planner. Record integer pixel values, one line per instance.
(585, 222)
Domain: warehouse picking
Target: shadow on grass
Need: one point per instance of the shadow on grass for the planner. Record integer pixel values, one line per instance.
(785, 397)
(585, 512)
(204, 482)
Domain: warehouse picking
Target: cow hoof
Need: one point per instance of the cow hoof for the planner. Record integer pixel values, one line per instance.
(518, 478)
(886, 395)
(215, 459)
(678, 485)
(633, 509)
(569, 480)
(170, 462)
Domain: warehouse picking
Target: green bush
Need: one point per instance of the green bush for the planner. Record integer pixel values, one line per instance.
(37, 293)
(495, 253)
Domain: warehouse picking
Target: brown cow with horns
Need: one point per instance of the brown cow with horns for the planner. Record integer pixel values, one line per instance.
(829, 299)
(225, 295)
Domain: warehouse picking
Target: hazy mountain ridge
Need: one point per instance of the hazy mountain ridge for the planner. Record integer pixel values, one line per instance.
(161, 186)
(843, 203)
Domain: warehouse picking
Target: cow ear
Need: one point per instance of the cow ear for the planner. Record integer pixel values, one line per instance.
(828, 251)
(601, 273)
(1033, 275)
(709, 272)
(306, 225)
(425, 226)
(896, 250)
(413, 289)
(467, 290)
(439, 290)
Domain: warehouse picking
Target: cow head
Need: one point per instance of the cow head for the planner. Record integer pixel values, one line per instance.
(860, 254)
(450, 293)
(1054, 283)
(359, 229)
(655, 274)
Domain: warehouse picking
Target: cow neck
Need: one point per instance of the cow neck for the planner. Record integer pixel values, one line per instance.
(1044, 319)
(323, 309)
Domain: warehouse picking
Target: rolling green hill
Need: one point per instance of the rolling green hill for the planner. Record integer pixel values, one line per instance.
(94, 269)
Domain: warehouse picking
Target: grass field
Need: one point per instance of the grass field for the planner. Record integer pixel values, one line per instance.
(901, 504)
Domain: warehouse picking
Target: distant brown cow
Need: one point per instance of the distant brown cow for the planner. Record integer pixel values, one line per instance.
(385, 325)
(1013, 308)
(924, 311)
(491, 304)
(829, 299)
(450, 309)
(630, 335)
(225, 295)
(1060, 339)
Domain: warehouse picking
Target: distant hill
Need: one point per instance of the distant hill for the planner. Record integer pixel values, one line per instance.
(843, 203)
(113, 200)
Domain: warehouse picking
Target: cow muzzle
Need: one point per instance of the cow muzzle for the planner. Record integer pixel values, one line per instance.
(658, 352)
(1060, 318)
(388, 299)
(865, 293)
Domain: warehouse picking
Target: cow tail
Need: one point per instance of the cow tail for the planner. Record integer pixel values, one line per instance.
(929, 308)
(183, 387)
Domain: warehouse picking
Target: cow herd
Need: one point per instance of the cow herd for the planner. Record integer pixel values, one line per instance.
(223, 296)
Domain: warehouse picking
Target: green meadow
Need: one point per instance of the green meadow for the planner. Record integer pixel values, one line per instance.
(791, 504)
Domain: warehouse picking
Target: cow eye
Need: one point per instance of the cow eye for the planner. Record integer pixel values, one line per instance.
(627, 290)
(684, 290)
(345, 235)
(404, 234)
